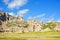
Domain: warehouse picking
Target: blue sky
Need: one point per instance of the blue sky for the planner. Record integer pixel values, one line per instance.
(43, 10)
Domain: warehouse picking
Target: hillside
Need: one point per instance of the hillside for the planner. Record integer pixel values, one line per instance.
(9, 23)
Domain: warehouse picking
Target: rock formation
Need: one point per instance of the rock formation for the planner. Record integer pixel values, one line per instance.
(5, 19)
(9, 23)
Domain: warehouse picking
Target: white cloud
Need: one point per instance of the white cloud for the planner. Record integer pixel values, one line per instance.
(51, 18)
(22, 12)
(39, 16)
(11, 13)
(19, 13)
(43, 19)
(6, 1)
(30, 17)
(15, 3)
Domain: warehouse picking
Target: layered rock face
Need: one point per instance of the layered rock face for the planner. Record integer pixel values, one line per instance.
(57, 26)
(2, 19)
(34, 25)
(9, 22)
(15, 24)
(6, 17)
(3, 16)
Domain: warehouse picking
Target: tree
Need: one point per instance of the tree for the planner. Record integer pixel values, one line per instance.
(50, 25)
(25, 25)
(10, 24)
(22, 24)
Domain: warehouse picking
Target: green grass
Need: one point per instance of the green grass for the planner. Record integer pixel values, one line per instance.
(51, 35)
(12, 39)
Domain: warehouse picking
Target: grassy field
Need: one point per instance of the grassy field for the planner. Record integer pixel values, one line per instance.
(52, 35)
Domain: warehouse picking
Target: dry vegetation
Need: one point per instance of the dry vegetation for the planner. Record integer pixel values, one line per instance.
(51, 35)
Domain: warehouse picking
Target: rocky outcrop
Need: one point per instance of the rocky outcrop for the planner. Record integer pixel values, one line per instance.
(5, 19)
(57, 26)
(3, 16)
(9, 23)
(34, 25)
